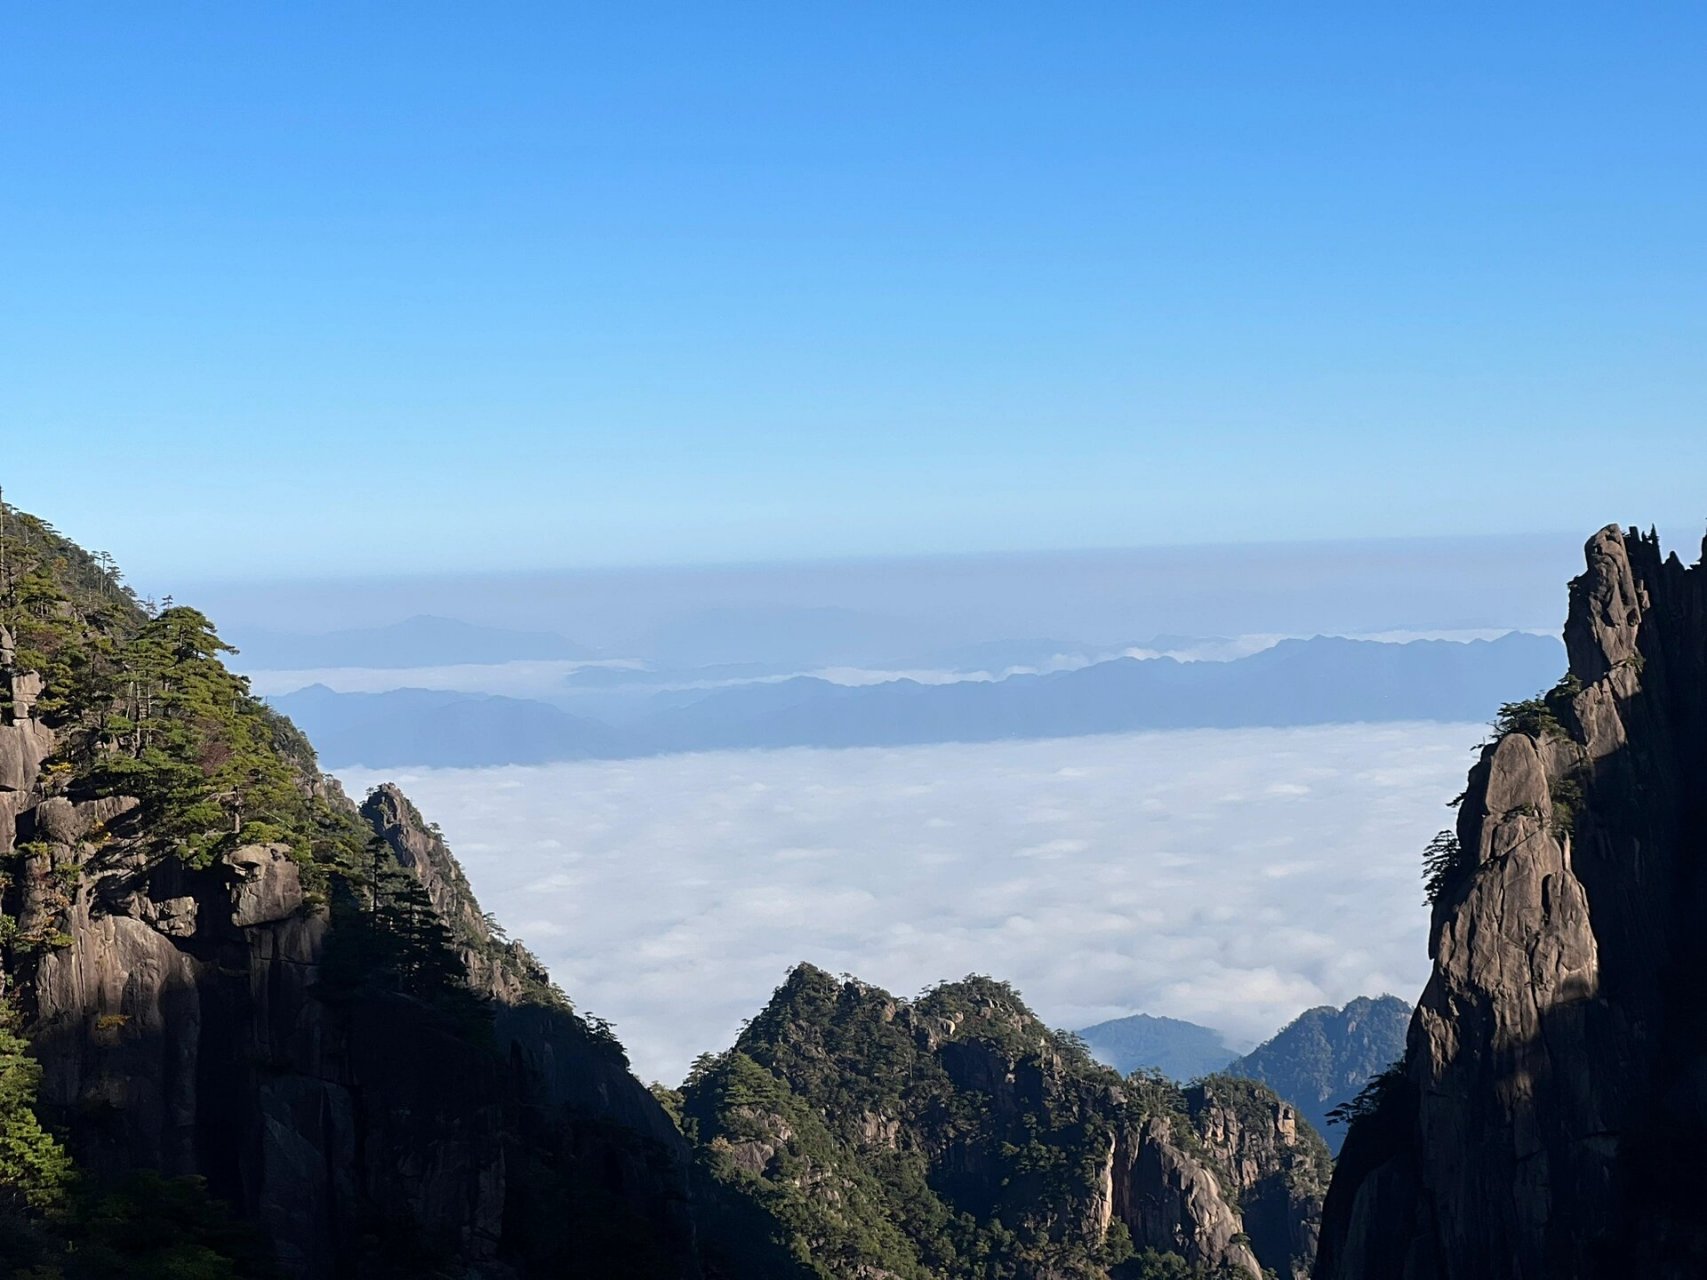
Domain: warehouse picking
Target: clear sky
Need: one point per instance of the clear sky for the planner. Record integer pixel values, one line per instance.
(311, 288)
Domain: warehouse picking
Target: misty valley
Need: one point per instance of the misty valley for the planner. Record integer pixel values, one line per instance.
(864, 641)
(257, 1026)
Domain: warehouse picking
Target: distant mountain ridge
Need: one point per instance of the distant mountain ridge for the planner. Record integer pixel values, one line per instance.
(1325, 1056)
(1182, 1051)
(1321, 1059)
(442, 729)
(1322, 680)
(1297, 682)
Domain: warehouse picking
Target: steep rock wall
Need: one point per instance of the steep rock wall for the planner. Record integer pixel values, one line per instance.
(1270, 1163)
(1552, 1109)
(183, 1024)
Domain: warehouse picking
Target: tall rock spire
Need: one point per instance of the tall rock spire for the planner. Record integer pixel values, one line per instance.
(1550, 1120)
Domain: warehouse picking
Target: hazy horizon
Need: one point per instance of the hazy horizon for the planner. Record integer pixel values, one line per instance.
(1061, 493)
(1346, 586)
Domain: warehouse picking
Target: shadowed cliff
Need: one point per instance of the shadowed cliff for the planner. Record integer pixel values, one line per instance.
(1550, 1114)
(231, 976)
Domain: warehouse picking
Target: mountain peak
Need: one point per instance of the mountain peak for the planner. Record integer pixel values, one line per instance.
(1325, 1056)
(1549, 1114)
(957, 1125)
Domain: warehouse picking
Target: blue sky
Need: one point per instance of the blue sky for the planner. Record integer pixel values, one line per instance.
(361, 288)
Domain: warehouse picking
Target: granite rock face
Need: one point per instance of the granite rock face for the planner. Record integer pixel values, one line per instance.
(1170, 1201)
(25, 742)
(565, 1071)
(266, 884)
(1551, 1114)
(1271, 1163)
(184, 1023)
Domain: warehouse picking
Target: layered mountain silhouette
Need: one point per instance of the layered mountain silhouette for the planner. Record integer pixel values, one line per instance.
(434, 727)
(1325, 1057)
(256, 1029)
(1319, 1061)
(1180, 1050)
(1297, 682)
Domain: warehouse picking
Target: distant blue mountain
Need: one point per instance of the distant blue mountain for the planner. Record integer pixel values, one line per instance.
(422, 641)
(1320, 1059)
(1323, 680)
(1180, 1050)
(1325, 1056)
(437, 728)
(1319, 681)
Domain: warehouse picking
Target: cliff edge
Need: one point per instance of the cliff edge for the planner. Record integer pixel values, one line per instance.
(1550, 1113)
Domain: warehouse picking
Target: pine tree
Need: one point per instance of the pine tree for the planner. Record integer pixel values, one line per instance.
(34, 1169)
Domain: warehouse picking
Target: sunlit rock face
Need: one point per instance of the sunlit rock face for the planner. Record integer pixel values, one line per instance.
(1551, 1115)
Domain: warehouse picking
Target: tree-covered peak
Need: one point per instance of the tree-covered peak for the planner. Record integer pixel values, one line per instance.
(133, 698)
(814, 1007)
(38, 564)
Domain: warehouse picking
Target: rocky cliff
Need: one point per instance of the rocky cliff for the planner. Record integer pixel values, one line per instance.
(1269, 1161)
(226, 970)
(937, 1137)
(1551, 1110)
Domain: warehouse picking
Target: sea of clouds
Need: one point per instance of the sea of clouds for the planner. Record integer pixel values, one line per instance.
(1231, 877)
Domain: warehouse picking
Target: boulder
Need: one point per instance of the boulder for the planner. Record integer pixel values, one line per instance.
(266, 884)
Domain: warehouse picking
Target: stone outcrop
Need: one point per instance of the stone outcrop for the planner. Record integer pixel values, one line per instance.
(504, 970)
(1171, 1202)
(1271, 1163)
(266, 884)
(185, 1023)
(24, 741)
(1551, 1114)
(180, 1025)
(544, 1046)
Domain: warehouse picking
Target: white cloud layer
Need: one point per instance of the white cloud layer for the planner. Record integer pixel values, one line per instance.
(1232, 877)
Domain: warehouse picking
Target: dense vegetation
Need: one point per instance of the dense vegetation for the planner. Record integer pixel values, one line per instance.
(953, 1136)
(141, 705)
